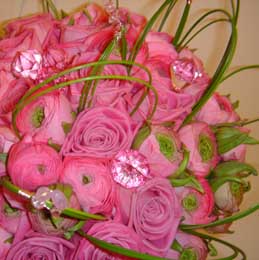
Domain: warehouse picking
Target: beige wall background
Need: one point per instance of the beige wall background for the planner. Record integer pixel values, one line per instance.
(210, 44)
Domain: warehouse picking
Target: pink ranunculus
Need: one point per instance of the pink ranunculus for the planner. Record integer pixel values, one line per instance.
(112, 232)
(92, 183)
(201, 142)
(237, 154)
(217, 110)
(5, 242)
(155, 215)
(197, 206)
(31, 165)
(45, 118)
(40, 246)
(99, 133)
(162, 150)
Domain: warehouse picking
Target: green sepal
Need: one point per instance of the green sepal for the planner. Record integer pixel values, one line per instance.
(212, 249)
(9, 240)
(71, 231)
(55, 146)
(235, 105)
(63, 14)
(71, 21)
(66, 127)
(3, 157)
(141, 136)
(177, 246)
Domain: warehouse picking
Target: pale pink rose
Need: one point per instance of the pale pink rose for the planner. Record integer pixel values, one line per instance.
(197, 206)
(40, 246)
(5, 242)
(155, 215)
(31, 165)
(217, 110)
(162, 150)
(200, 141)
(91, 182)
(100, 133)
(45, 118)
(112, 232)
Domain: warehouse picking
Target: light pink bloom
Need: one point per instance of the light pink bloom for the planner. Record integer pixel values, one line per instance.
(4, 245)
(201, 142)
(155, 215)
(197, 206)
(31, 165)
(92, 183)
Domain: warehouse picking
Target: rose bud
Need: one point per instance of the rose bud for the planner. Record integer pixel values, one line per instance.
(111, 232)
(155, 215)
(162, 150)
(31, 165)
(42, 222)
(46, 118)
(99, 133)
(5, 242)
(201, 142)
(92, 182)
(197, 206)
(40, 246)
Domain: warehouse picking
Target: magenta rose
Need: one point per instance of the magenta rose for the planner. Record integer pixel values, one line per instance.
(197, 206)
(100, 133)
(5, 242)
(201, 142)
(31, 165)
(162, 150)
(40, 246)
(46, 118)
(112, 232)
(155, 215)
(92, 183)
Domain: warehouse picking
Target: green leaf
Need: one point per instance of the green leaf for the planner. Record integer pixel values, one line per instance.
(3, 157)
(66, 127)
(141, 136)
(251, 140)
(119, 250)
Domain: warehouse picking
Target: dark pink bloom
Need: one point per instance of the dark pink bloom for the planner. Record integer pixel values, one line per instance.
(197, 206)
(92, 183)
(99, 132)
(31, 165)
(201, 142)
(155, 215)
(112, 232)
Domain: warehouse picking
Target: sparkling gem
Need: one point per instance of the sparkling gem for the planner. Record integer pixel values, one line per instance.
(130, 168)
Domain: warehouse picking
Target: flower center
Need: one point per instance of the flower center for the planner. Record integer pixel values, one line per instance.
(37, 117)
(167, 147)
(41, 168)
(85, 180)
(205, 148)
(190, 202)
(188, 254)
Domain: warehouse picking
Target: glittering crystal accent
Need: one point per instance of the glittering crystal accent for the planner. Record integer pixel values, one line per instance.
(130, 168)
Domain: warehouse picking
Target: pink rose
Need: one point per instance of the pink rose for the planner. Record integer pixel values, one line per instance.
(5, 242)
(197, 206)
(39, 246)
(155, 215)
(31, 165)
(201, 142)
(111, 232)
(99, 132)
(92, 183)
(162, 150)
(46, 118)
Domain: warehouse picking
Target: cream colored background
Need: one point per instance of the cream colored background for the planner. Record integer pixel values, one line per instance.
(211, 44)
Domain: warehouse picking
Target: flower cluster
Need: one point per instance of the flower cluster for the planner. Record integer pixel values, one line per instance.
(104, 132)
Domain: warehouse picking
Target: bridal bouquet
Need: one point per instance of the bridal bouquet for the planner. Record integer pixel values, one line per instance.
(114, 143)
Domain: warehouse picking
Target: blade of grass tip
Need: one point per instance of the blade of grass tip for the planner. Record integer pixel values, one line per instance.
(54, 9)
(182, 23)
(168, 11)
(183, 45)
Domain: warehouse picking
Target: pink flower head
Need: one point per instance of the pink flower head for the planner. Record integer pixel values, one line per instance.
(197, 206)
(99, 132)
(162, 150)
(112, 232)
(31, 165)
(5, 242)
(92, 183)
(46, 118)
(201, 142)
(155, 215)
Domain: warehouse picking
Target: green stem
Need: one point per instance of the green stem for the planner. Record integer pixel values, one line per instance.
(222, 221)
(182, 23)
(182, 166)
(78, 214)
(44, 6)
(54, 9)
(255, 66)
(168, 11)
(238, 123)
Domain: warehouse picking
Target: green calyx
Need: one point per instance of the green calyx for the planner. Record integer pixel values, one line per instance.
(9, 211)
(236, 189)
(188, 254)
(166, 144)
(37, 117)
(205, 148)
(190, 202)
